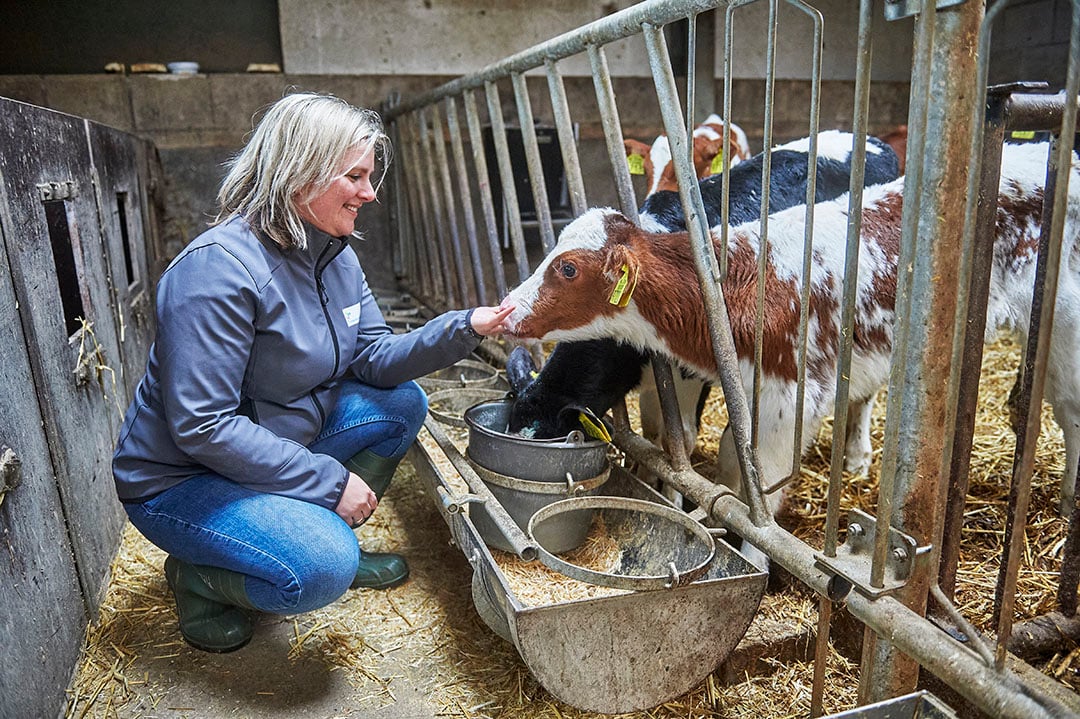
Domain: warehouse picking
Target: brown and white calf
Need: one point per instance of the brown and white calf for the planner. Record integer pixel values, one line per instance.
(574, 295)
(708, 142)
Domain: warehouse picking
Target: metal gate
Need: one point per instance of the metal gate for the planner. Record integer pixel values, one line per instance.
(449, 255)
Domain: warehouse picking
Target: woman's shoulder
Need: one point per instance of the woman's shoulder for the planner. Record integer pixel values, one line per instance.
(227, 248)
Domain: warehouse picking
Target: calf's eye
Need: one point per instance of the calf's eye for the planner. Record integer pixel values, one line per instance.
(569, 271)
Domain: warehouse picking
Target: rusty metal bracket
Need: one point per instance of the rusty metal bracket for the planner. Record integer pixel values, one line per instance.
(10, 471)
(899, 9)
(855, 556)
(65, 190)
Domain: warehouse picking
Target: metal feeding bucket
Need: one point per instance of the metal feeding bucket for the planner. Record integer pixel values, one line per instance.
(463, 373)
(623, 652)
(658, 547)
(526, 475)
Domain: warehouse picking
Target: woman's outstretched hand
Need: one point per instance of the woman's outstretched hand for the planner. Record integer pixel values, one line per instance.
(488, 321)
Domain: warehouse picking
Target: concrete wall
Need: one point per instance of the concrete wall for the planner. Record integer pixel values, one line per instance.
(423, 37)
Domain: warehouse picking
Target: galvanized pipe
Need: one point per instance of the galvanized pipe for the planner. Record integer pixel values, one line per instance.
(532, 161)
(427, 142)
(1035, 359)
(930, 317)
(458, 148)
(999, 694)
(564, 125)
(487, 203)
(727, 361)
(609, 120)
(438, 139)
(511, 209)
(518, 540)
(432, 286)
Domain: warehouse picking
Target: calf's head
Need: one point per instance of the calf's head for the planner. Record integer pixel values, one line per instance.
(586, 280)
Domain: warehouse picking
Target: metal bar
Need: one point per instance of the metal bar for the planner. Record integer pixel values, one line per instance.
(864, 54)
(458, 147)
(432, 286)
(704, 59)
(763, 236)
(532, 160)
(427, 141)
(980, 218)
(821, 656)
(513, 534)
(398, 202)
(727, 361)
(564, 125)
(609, 120)
(487, 203)
(725, 189)
(616, 26)
(931, 315)
(1037, 352)
(438, 139)
(999, 694)
(669, 408)
(511, 210)
(808, 238)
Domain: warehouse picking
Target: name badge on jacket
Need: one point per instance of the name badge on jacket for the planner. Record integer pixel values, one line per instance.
(352, 314)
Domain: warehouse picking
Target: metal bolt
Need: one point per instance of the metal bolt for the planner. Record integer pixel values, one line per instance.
(899, 554)
(855, 530)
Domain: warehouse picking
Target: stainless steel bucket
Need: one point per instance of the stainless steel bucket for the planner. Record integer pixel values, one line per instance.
(525, 475)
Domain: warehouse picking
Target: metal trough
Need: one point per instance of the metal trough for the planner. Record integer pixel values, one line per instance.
(612, 654)
(920, 705)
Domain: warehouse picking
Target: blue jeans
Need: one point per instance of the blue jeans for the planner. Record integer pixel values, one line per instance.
(297, 556)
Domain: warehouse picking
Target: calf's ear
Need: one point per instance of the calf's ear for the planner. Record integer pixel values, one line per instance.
(636, 147)
(520, 369)
(621, 269)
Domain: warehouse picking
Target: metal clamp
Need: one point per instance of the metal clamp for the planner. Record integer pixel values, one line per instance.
(65, 190)
(455, 504)
(900, 9)
(10, 471)
(854, 558)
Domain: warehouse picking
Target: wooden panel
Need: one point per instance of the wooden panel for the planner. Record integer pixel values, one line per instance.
(80, 406)
(41, 614)
(120, 196)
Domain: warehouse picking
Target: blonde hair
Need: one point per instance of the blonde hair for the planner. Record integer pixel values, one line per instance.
(296, 150)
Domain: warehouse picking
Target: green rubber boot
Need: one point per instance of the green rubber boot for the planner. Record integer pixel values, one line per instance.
(377, 570)
(380, 570)
(208, 602)
(374, 469)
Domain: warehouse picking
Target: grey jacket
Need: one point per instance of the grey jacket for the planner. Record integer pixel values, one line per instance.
(251, 343)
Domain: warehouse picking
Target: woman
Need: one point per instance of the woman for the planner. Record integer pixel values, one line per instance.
(276, 402)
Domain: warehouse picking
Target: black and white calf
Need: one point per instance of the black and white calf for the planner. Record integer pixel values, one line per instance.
(567, 299)
(598, 374)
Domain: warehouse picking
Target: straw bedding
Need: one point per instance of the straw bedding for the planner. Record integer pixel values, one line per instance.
(430, 625)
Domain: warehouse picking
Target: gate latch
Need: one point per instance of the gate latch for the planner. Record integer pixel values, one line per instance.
(854, 558)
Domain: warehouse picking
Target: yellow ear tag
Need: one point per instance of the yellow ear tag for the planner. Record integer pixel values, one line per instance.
(717, 165)
(1023, 134)
(534, 374)
(596, 430)
(636, 163)
(624, 288)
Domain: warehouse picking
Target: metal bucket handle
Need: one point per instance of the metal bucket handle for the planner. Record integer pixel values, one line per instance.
(569, 488)
(471, 394)
(674, 577)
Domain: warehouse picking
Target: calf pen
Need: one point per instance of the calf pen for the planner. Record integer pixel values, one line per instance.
(897, 576)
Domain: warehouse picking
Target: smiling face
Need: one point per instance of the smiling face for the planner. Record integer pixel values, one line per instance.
(333, 210)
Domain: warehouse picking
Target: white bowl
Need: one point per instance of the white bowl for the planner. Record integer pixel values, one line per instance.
(183, 68)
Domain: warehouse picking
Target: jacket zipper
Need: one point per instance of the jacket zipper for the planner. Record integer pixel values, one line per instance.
(324, 300)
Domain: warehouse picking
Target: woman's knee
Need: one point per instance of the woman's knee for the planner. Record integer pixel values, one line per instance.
(313, 575)
(413, 403)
